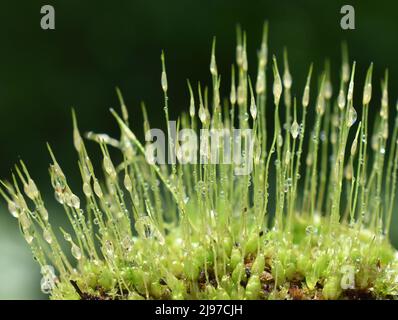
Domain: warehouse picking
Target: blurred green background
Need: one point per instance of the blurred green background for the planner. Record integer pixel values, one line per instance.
(98, 45)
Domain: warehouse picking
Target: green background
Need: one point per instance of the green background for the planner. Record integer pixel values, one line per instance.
(98, 45)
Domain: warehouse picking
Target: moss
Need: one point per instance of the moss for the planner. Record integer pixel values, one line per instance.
(305, 215)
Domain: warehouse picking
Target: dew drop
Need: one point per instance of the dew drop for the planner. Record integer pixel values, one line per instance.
(14, 209)
(75, 201)
(295, 129)
(76, 252)
(351, 117)
(97, 189)
(47, 236)
(87, 190)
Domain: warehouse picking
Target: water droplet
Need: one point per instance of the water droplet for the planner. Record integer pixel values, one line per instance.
(202, 114)
(97, 189)
(295, 129)
(14, 209)
(127, 183)
(74, 201)
(146, 229)
(351, 117)
(287, 79)
(28, 237)
(67, 237)
(109, 248)
(76, 252)
(46, 285)
(163, 81)
(87, 190)
(47, 236)
(108, 166)
(213, 65)
(309, 230)
(306, 96)
(59, 196)
(280, 140)
(341, 99)
(367, 93)
(31, 190)
(277, 89)
(127, 243)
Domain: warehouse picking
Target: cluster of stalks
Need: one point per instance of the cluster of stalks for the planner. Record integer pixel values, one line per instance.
(310, 221)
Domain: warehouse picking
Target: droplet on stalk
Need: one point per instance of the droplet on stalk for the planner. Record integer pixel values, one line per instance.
(14, 209)
(341, 99)
(47, 236)
(295, 129)
(127, 183)
(31, 190)
(351, 117)
(97, 189)
(76, 252)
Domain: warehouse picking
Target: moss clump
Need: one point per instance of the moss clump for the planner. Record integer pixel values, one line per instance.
(215, 229)
(303, 265)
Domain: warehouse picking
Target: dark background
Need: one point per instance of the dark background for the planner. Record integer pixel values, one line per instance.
(98, 45)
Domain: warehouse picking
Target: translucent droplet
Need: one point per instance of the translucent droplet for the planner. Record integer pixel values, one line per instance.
(320, 106)
(260, 84)
(287, 79)
(306, 96)
(59, 196)
(192, 107)
(31, 190)
(287, 157)
(46, 285)
(47, 236)
(163, 81)
(67, 237)
(232, 96)
(295, 129)
(241, 95)
(87, 190)
(280, 140)
(146, 229)
(202, 114)
(76, 252)
(108, 166)
(97, 189)
(109, 248)
(14, 209)
(328, 91)
(277, 89)
(213, 65)
(350, 91)
(367, 94)
(351, 117)
(309, 230)
(127, 243)
(127, 183)
(75, 201)
(341, 99)
(28, 237)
